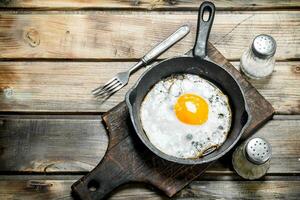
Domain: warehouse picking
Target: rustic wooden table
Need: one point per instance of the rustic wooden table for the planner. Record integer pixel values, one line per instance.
(53, 52)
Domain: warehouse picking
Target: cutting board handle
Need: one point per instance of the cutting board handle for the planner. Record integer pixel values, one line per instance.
(104, 178)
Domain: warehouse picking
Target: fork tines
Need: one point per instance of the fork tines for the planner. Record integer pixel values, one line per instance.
(108, 89)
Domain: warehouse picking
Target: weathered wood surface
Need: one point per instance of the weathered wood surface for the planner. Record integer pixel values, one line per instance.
(119, 35)
(46, 143)
(211, 187)
(66, 86)
(148, 4)
(51, 144)
(34, 144)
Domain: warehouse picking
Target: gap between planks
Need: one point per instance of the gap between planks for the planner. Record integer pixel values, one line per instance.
(89, 116)
(148, 5)
(133, 11)
(86, 60)
(204, 177)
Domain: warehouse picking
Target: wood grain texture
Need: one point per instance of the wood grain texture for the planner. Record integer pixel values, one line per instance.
(47, 145)
(66, 86)
(36, 144)
(217, 187)
(129, 35)
(148, 4)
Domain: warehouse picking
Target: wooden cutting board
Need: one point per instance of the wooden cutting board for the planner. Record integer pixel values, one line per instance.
(128, 160)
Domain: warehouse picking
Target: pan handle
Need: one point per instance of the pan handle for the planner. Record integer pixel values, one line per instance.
(203, 30)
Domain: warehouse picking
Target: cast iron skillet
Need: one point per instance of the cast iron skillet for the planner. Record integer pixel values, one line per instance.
(200, 65)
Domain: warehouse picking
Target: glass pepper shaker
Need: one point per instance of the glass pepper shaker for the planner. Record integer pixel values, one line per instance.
(251, 160)
(258, 61)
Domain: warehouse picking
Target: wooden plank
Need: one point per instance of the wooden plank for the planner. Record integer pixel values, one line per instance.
(55, 144)
(119, 35)
(29, 187)
(66, 86)
(148, 4)
(46, 145)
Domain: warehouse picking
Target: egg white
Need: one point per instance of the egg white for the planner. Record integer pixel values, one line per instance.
(173, 137)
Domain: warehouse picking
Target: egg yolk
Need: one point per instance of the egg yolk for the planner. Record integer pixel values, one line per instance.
(191, 109)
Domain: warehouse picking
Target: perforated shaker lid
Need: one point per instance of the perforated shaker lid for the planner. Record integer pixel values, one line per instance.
(258, 150)
(264, 46)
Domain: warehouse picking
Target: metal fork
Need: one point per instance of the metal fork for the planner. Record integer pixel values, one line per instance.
(122, 78)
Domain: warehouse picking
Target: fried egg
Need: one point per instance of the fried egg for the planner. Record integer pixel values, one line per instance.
(185, 116)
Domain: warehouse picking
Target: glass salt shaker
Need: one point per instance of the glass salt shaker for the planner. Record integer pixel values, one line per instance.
(251, 160)
(258, 61)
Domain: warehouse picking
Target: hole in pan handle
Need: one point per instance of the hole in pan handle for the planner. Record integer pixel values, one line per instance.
(203, 29)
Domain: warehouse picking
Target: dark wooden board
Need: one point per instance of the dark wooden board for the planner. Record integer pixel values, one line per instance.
(128, 160)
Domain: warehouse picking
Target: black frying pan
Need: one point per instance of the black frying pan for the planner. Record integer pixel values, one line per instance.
(198, 64)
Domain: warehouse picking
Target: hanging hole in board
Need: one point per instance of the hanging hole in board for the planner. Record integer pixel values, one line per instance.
(93, 185)
(206, 14)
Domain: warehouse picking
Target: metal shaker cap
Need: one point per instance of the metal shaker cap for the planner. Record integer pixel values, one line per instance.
(264, 46)
(258, 150)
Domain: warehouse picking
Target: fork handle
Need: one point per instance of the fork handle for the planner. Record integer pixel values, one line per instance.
(166, 44)
(162, 47)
